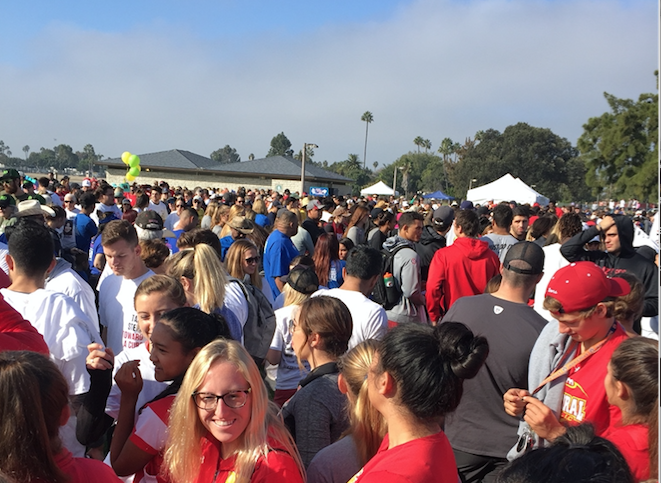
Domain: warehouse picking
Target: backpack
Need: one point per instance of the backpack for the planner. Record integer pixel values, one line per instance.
(260, 326)
(387, 291)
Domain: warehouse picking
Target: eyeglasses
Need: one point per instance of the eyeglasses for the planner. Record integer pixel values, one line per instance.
(68, 201)
(239, 202)
(180, 206)
(209, 401)
(252, 260)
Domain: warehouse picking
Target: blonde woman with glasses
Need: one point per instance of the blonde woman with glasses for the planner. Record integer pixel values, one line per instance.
(223, 427)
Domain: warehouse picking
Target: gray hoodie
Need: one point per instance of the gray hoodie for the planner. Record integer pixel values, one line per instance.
(545, 356)
(406, 271)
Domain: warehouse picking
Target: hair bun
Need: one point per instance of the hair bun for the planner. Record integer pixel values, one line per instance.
(464, 351)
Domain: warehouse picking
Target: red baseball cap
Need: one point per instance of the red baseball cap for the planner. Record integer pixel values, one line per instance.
(582, 285)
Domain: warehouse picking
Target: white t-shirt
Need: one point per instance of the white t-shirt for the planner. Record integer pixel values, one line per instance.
(553, 261)
(4, 251)
(117, 313)
(68, 232)
(369, 318)
(65, 328)
(150, 386)
(288, 374)
(236, 302)
(105, 208)
(67, 281)
(170, 221)
(159, 208)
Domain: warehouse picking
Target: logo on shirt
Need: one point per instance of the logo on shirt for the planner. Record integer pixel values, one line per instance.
(497, 309)
(573, 407)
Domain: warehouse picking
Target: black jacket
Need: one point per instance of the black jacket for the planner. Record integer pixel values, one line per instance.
(627, 260)
(430, 241)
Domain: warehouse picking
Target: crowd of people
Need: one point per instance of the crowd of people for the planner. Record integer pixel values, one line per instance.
(166, 334)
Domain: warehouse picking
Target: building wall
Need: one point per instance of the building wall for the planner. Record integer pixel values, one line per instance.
(214, 180)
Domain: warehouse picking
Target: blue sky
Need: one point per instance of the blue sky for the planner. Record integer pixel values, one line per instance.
(147, 76)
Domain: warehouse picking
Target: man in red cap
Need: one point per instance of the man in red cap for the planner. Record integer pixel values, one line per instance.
(569, 361)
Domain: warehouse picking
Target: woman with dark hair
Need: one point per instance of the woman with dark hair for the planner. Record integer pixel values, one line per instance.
(315, 415)
(416, 378)
(357, 228)
(34, 402)
(632, 385)
(385, 222)
(327, 263)
(175, 340)
(578, 456)
(541, 229)
(346, 244)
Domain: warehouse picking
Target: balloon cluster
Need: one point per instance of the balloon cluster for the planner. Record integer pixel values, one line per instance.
(133, 162)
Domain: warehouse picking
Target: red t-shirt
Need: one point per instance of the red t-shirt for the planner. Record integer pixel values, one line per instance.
(633, 443)
(82, 470)
(150, 435)
(423, 460)
(585, 395)
(278, 466)
(16, 333)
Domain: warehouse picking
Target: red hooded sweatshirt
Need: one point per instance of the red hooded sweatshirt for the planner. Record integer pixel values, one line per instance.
(459, 270)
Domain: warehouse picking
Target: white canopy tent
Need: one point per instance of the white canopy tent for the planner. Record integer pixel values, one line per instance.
(507, 188)
(379, 188)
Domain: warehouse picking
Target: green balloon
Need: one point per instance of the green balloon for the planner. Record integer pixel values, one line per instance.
(134, 171)
(134, 160)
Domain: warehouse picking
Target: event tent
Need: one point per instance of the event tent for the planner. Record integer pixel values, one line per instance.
(377, 189)
(507, 188)
(437, 195)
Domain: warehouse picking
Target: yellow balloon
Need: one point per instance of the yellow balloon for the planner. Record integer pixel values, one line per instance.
(130, 178)
(125, 157)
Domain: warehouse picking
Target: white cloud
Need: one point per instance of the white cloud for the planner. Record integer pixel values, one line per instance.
(435, 69)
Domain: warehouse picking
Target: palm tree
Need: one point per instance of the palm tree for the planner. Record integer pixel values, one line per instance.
(418, 141)
(368, 118)
(426, 143)
(446, 149)
(375, 164)
(26, 150)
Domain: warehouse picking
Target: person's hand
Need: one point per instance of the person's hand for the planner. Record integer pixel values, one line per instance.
(606, 223)
(129, 379)
(513, 401)
(542, 420)
(99, 357)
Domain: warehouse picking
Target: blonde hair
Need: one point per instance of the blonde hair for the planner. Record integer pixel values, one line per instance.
(367, 426)
(201, 265)
(183, 453)
(259, 207)
(234, 261)
(235, 210)
(217, 217)
(293, 296)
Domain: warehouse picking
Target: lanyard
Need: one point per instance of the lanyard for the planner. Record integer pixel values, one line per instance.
(576, 360)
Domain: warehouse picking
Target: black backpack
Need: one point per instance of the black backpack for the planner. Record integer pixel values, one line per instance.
(260, 326)
(387, 291)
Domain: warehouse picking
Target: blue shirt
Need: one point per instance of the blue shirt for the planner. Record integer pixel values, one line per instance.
(278, 254)
(85, 229)
(96, 249)
(262, 220)
(225, 244)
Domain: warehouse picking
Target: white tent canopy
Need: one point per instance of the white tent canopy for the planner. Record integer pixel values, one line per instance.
(378, 189)
(507, 188)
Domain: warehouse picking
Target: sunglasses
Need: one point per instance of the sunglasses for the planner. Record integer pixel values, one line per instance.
(252, 260)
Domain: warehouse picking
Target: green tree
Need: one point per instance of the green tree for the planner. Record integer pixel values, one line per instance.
(87, 158)
(226, 155)
(280, 146)
(309, 154)
(536, 155)
(426, 143)
(351, 168)
(26, 150)
(422, 172)
(65, 157)
(5, 152)
(418, 141)
(620, 148)
(368, 118)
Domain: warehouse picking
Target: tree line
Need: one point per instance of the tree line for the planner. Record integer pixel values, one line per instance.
(615, 157)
